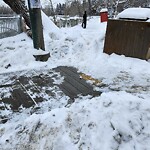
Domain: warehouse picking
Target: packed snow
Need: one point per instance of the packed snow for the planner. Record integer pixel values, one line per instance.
(116, 120)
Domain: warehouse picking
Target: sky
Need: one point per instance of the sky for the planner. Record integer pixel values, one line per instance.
(117, 119)
(43, 2)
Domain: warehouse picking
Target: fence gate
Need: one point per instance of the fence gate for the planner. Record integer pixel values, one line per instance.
(10, 26)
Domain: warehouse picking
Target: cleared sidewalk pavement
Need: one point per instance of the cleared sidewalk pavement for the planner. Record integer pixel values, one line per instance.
(27, 88)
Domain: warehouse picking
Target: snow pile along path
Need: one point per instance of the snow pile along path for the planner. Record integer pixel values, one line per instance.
(112, 121)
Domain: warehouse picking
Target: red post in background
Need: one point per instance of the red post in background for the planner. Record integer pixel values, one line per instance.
(104, 15)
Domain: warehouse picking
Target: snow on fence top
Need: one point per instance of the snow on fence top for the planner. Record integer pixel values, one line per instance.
(135, 13)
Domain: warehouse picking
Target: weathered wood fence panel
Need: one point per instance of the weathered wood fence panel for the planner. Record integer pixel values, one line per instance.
(10, 26)
(129, 38)
(68, 22)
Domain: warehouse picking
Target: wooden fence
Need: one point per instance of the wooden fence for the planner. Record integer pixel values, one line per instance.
(65, 21)
(10, 26)
(68, 22)
(128, 37)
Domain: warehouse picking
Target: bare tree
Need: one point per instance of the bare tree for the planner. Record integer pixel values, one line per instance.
(90, 7)
(53, 13)
(19, 7)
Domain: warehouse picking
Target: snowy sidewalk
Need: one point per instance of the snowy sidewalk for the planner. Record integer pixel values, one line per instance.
(27, 88)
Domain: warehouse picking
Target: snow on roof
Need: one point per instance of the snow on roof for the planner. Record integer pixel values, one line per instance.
(148, 20)
(135, 13)
(123, 1)
(104, 10)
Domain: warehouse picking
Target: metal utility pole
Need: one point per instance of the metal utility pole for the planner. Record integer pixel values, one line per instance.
(36, 24)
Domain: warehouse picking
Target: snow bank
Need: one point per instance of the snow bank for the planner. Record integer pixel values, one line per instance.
(115, 120)
(48, 24)
(49, 28)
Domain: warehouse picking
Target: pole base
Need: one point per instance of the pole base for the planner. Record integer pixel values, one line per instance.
(42, 57)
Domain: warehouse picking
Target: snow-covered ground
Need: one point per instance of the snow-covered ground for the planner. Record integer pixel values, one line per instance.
(119, 119)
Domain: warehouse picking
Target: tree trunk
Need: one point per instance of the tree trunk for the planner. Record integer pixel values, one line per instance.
(90, 7)
(19, 8)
